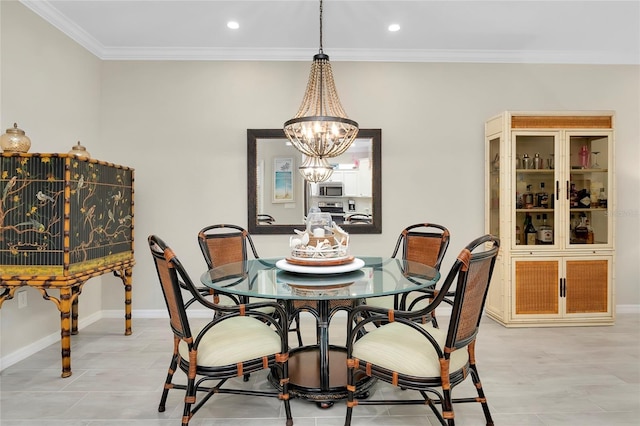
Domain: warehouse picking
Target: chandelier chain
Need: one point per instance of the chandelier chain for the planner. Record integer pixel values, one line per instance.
(321, 51)
(321, 128)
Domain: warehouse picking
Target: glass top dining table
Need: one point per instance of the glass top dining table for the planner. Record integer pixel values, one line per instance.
(318, 372)
(378, 276)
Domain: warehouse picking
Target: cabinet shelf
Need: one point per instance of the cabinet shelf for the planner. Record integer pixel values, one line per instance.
(586, 171)
(550, 210)
(588, 209)
(534, 210)
(535, 171)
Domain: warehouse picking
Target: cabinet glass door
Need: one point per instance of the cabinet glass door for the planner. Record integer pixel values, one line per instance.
(588, 184)
(494, 186)
(534, 188)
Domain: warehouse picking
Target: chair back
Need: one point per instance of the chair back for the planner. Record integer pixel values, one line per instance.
(359, 218)
(473, 268)
(425, 243)
(265, 219)
(173, 279)
(224, 243)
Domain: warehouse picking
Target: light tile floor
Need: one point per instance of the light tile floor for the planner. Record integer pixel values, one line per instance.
(532, 376)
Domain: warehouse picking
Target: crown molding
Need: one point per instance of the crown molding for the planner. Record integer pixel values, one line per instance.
(62, 23)
(84, 39)
(371, 55)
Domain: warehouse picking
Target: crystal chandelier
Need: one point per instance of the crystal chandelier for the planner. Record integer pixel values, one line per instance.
(321, 128)
(315, 169)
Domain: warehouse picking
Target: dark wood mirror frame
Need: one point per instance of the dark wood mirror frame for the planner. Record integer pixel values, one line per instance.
(253, 135)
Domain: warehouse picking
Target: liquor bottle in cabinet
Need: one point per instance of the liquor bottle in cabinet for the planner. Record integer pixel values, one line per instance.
(545, 232)
(563, 275)
(529, 231)
(542, 197)
(602, 199)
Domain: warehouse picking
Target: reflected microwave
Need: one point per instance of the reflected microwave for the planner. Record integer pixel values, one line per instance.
(330, 189)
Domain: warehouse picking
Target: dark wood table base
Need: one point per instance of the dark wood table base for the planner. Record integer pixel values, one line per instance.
(305, 376)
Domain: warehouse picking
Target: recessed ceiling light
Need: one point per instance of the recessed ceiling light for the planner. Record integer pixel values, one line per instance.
(233, 25)
(394, 27)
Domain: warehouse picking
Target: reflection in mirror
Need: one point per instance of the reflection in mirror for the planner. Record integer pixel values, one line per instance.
(279, 198)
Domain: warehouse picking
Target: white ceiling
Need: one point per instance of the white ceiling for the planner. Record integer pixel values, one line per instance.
(514, 31)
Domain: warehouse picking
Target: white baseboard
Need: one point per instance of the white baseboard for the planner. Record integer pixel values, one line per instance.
(32, 348)
(627, 309)
(40, 344)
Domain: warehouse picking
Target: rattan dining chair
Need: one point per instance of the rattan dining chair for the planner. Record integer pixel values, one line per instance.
(424, 243)
(225, 243)
(222, 244)
(265, 219)
(240, 340)
(358, 218)
(418, 356)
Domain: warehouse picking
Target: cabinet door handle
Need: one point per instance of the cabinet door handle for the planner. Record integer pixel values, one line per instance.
(557, 190)
(560, 286)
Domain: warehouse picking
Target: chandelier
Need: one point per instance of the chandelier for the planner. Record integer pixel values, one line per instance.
(315, 169)
(321, 128)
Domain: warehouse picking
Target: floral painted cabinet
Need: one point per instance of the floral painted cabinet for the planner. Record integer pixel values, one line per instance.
(64, 220)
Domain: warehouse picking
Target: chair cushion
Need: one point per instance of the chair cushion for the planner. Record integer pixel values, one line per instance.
(233, 340)
(381, 302)
(400, 348)
(265, 310)
(225, 300)
(388, 301)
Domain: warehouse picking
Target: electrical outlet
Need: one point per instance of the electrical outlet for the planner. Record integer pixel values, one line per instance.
(22, 299)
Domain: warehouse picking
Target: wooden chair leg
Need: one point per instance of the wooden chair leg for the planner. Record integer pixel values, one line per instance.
(350, 392)
(189, 400)
(475, 377)
(167, 384)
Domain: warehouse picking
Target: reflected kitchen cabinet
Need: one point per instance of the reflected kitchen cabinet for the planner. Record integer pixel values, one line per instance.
(364, 183)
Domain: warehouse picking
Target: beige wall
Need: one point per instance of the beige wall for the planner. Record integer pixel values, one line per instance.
(194, 116)
(50, 86)
(182, 126)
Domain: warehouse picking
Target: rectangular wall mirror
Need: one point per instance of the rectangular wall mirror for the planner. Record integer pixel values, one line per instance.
(279, 197)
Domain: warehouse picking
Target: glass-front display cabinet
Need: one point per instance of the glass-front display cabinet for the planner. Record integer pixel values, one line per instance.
(549, 197)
